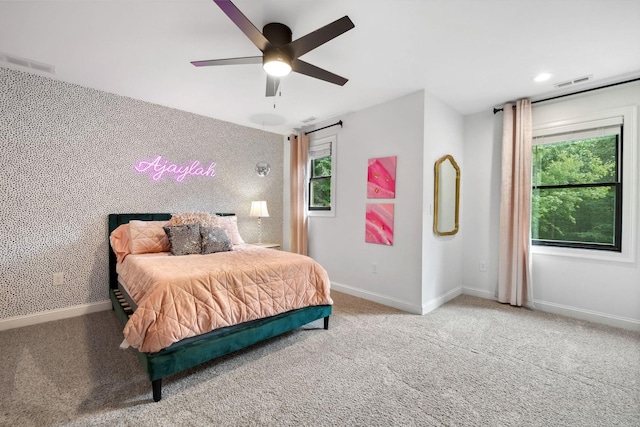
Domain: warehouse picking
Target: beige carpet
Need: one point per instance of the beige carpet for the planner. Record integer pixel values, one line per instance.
(471, 362)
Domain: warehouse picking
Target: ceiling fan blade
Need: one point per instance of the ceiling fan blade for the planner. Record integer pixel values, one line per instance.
(244, 24)
(272, 85)
(229, 61)
(320, 36)
(312, 71)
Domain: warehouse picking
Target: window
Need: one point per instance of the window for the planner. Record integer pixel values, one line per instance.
(577, 186)
(321, 193)
(320, 184)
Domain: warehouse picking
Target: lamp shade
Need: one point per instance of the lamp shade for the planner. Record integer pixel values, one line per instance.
(259, 209)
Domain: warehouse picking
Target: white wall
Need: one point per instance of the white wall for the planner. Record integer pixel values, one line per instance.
(441, 255)
(480, 219)
(598, 290)
(421, 270)
(391, 129)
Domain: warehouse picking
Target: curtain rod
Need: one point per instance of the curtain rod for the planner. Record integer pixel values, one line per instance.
(495, 110)
(328, 126)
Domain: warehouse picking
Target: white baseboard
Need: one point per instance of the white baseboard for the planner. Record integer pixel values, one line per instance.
(480, 293)
(568, 311)
(591, 316)
(442, 299)
(375, 297)
(50, 315)
(396, 303)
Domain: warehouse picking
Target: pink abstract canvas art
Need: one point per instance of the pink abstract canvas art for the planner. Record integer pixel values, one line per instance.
(379, 223)
(381, 178)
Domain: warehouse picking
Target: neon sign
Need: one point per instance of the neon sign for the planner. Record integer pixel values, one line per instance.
(157, 167)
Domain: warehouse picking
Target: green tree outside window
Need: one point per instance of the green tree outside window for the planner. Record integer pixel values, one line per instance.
(575, 193)
(320, 184)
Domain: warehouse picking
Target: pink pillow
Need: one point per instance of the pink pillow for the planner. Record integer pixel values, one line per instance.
(119, 240)
(148, 237)
(205, 219)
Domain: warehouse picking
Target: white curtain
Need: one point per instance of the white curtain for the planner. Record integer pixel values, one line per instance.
(299, 224)
(514, 264)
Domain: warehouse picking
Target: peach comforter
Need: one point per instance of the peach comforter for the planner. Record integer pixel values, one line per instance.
(183, 296)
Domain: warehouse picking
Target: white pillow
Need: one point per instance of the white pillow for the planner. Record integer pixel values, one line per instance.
(230, 223)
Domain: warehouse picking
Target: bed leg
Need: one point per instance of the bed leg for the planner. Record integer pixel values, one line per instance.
(156, 385)
(326, 322)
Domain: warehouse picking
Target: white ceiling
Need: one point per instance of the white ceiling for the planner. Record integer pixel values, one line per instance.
(472, 54)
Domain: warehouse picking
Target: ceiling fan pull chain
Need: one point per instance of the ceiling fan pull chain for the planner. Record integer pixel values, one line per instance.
(279, 89)
(275, 92)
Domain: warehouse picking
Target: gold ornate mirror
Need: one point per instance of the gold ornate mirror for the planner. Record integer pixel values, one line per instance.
(446, 196)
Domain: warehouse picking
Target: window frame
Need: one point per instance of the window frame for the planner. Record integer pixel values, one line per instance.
(601, 128)
(322, 211)
(629, 175)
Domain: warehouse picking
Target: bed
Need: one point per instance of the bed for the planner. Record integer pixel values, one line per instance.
(193, 350)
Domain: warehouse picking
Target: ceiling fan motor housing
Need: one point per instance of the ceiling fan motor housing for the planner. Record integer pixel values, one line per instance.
(277, 34)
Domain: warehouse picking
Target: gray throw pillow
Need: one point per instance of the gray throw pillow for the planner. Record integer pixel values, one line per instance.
(184, 239)
(214, 240)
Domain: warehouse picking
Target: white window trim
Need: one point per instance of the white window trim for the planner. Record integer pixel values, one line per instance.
(629, 183)
(333, 139)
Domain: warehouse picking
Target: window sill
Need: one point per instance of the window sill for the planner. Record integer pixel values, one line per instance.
(326, 214)
(625, 256)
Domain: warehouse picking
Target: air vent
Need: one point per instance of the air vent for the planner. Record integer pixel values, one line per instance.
(27, 63)
(573, 82)
(17, 61)
(564, 84)
(309, 119)
(582, 80)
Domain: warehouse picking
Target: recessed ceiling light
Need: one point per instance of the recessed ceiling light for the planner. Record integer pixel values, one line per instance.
(541, 77)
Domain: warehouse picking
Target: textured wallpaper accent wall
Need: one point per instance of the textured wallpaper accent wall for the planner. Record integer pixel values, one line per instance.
(67, 156)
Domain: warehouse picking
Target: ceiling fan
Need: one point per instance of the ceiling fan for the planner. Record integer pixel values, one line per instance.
(280, 55)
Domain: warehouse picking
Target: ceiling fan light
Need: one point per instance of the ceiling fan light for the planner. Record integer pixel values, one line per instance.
(276, 65)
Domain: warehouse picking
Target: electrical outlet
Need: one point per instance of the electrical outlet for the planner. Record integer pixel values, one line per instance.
(374, 268)
(58, 279)
(483, 266)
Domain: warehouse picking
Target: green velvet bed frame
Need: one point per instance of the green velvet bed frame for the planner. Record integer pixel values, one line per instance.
(202, 348)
